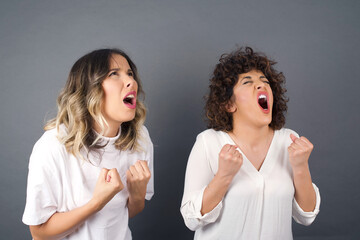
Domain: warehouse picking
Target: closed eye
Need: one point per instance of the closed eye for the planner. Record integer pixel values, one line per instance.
(264, 79)
(247, 82)
(115, 73)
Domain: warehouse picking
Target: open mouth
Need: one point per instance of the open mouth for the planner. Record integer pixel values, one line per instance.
(263, 101)
(130, 99)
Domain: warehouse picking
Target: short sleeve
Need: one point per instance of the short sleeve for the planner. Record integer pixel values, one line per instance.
(306, 218)
(150, 160)
(198, 176)
(43, 186)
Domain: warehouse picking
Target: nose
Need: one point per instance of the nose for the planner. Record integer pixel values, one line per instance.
(130, 82)
(259, 85)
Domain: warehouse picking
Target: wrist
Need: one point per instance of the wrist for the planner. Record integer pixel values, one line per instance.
(94, 206)
(136, 198)
(225, 180)
(301, 169)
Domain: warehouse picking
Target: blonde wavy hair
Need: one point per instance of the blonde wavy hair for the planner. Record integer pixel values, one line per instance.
(80, 104)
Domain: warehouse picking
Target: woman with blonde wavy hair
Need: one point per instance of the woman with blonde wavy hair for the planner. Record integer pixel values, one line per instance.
(92, 168)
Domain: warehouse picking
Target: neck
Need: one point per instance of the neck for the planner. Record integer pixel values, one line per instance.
(251, 135)
(110, 131)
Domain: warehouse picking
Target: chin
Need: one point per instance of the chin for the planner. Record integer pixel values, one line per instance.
(130, 118)
(266, 122)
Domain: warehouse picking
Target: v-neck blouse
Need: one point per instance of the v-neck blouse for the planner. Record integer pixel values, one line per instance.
(266, 164)
(257, 205)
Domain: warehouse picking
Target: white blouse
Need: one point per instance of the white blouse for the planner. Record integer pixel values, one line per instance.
(257, 205)
(59, 182)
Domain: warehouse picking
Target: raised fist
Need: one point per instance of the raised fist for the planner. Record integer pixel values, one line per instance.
(230, 161)
(299, 151)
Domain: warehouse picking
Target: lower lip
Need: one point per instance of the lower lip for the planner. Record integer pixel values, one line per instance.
(263, 110)
(130, 105)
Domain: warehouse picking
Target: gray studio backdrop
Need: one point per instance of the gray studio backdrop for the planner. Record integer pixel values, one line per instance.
(175, 45)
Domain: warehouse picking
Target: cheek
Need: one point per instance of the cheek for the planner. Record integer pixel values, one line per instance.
(136, 87)
(110, 101)
(242, 99)
(111, 91)
(271, 98)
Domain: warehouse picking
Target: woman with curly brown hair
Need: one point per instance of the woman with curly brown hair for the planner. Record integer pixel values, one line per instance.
(92, 168)
(247, 175)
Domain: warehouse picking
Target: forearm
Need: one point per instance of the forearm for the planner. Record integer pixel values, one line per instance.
(62, 224)
(135, 206)
(304, 191)
(214, 193)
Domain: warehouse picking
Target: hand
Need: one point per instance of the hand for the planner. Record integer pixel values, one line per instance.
(107, 185)
(138, 177)
(299, 151)
(230, 161)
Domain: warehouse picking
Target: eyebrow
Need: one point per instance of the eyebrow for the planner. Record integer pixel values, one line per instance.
(114, 69)
(117, 69)
(249, 77)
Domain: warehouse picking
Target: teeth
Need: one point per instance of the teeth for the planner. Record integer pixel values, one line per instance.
(262, 96)
(130, 96)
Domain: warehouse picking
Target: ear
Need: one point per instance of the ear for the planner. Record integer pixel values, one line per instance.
(230, 107)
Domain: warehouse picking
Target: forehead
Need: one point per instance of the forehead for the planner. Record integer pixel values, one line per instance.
(118, 61)
(254, 72)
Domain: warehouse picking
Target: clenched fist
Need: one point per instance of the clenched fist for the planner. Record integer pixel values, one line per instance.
(230, 161)
(299, 151)
(138, 177)
(107, 185)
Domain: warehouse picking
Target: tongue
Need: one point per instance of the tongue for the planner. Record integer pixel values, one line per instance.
(263, 103)
(127, 100)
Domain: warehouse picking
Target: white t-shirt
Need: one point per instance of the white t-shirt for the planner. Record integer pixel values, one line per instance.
(59, 182)
(257, 205)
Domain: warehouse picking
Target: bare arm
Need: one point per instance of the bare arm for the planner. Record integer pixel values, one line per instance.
(60, 225)
(299, 153)
(214, 193)
(304, 190)
(135, 207)
(138, 177)
(230, 161)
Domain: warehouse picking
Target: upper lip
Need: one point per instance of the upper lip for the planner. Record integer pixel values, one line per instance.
(262, 94)
(131, 94)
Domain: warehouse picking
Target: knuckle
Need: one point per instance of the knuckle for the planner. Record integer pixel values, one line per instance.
(117, 186)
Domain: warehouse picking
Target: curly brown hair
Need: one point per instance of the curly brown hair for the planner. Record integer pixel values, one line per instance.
(225, 77)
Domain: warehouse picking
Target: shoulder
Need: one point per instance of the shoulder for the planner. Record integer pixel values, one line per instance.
(210, 134)
(283, 136)
(47, 150)
(211, 137)
(285, 132)
(48, 141)
(144, 137)
(144, 132)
